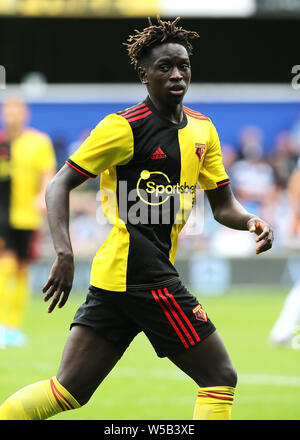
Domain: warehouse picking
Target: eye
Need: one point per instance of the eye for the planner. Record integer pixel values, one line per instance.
(164, 67)
(185, 66)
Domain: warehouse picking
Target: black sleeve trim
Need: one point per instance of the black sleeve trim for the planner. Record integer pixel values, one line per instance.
(79, 169)
(223, 182)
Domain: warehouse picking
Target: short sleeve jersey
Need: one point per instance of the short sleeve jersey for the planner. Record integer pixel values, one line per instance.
(22, 163)
(150, 168)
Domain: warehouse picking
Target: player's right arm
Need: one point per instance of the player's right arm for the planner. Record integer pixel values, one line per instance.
(59, 283)
(109, 144)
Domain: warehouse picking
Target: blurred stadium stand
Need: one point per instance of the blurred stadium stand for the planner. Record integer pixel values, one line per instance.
(67, 60)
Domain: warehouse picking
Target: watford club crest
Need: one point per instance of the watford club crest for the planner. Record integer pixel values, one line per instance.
(199, 313)
(200, 148)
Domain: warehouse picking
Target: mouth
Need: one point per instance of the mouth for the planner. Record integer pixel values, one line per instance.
(177, 90)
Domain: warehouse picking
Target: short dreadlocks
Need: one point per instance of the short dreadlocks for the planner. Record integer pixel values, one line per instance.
(139, 44)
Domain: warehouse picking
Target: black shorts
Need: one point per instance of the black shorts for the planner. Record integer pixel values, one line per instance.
(16, 240)
(170, 316)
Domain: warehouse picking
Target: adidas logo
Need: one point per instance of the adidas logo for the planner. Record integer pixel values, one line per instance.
(158, 154)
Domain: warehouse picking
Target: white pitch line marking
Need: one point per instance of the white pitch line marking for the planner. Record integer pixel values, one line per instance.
(243, 378)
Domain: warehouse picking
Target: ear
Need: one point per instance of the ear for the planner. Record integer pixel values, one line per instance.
(142, 72)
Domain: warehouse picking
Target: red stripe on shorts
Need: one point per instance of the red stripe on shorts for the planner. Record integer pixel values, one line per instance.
(170, 319)
(185, 331)
(182, 314)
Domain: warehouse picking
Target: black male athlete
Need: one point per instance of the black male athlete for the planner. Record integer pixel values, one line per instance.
(27, 164)
(150, 157)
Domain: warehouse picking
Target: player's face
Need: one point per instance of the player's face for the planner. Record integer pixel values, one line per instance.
(14, 114)
(167, 72)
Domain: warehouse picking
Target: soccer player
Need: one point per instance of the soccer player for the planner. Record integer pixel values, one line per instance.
(27, 164)
(284, 331)
(150, 157)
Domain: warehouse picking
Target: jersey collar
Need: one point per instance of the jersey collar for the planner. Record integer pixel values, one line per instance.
(154, 110)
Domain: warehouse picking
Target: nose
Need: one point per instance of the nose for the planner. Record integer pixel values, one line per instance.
(176, 74)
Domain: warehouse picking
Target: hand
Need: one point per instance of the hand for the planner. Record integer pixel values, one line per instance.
(264, 232)
(59, 282)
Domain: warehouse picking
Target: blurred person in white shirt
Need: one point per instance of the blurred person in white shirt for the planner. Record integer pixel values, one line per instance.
(286, 328)
(252, 177)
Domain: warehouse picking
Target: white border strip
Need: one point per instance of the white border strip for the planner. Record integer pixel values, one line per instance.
(213, 8)
(132, 93)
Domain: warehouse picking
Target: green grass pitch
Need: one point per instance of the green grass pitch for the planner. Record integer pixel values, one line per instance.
(144, 387)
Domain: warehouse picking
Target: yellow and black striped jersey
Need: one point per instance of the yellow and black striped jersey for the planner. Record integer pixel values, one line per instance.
(23, 160)
(149, 170)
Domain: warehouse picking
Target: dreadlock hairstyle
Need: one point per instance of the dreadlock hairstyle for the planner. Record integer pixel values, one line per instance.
(139, 44)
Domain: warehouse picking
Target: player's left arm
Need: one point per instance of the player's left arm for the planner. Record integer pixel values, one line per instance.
(229, 212)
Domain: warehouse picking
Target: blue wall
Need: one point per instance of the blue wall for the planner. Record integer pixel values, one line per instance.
(69, 120)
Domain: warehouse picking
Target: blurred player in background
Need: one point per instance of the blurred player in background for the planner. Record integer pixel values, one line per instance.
(283, 332)
(27, 163)
(163, 147)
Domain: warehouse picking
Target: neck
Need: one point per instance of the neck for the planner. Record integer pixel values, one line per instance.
(171, 111)
(13, 132)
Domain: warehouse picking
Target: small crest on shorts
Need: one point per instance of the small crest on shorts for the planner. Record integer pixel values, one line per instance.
(199, 313)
